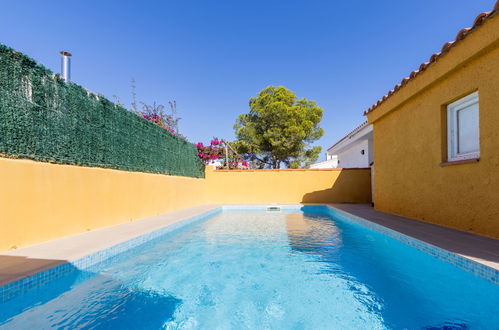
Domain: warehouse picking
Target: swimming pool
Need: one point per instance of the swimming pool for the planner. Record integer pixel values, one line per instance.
(298, 268)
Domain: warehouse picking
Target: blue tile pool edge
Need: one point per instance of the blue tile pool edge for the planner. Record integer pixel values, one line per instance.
(13, 289)
(468, 265)
(21, 286)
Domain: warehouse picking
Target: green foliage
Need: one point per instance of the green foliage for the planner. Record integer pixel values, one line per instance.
(46, 119)
(279, 130)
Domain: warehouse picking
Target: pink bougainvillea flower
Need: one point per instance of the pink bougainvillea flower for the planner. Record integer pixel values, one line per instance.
(216, 150)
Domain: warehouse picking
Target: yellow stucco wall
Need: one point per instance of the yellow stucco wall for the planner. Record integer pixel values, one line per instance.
(290, 186)
(410, 141)
(42, 201)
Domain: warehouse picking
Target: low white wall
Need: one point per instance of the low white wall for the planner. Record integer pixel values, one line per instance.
(330, 163)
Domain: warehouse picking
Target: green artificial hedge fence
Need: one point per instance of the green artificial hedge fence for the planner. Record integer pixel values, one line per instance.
(46, 119)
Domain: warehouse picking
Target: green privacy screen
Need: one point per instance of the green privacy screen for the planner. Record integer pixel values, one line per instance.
(46, 119)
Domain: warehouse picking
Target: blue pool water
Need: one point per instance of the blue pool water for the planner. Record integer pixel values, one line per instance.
(255, 270)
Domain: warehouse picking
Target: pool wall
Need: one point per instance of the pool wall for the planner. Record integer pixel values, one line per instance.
(19, 287)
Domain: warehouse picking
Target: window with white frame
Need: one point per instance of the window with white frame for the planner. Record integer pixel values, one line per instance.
(463, 134)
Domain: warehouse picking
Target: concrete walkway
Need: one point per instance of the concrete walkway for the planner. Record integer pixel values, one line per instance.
(23, 262)
(480, 249)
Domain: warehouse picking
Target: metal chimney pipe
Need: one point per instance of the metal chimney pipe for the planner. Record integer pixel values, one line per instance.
(66, 65)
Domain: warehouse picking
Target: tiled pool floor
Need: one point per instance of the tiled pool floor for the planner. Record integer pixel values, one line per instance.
(20, 263)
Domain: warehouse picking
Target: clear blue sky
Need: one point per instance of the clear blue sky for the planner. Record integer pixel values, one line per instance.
(212, 56)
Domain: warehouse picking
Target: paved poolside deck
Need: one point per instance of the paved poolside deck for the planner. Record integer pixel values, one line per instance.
(20, 263)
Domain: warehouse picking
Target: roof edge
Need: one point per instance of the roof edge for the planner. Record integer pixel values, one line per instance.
(462, 34)
(355, 130)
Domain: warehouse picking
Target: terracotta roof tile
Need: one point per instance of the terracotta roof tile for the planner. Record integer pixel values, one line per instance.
(479, 20)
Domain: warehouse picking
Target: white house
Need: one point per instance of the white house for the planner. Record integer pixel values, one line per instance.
(355, 150)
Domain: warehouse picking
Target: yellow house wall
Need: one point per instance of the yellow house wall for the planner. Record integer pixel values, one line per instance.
(42, 201)
(290, 186)
(410, 142)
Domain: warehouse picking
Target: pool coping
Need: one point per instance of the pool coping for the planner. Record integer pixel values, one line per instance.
(53, 259)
